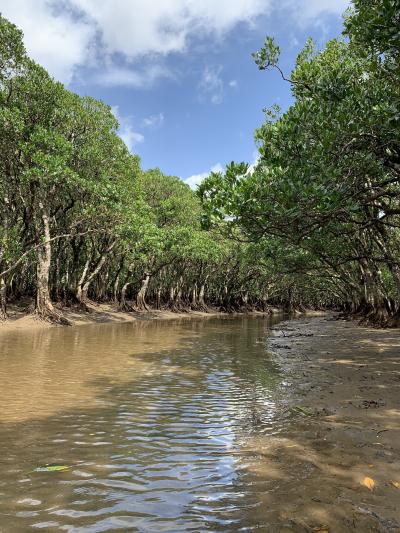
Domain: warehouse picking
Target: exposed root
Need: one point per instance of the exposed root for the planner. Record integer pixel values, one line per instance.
(394, 321)
(125, 307)
(141, 307)
(52, 316)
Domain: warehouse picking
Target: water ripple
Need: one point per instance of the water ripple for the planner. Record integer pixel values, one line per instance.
(160, 447)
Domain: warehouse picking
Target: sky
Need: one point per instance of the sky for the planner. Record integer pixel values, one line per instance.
(178, 74)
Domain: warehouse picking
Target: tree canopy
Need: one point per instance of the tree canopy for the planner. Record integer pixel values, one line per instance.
(326, 186)
(314, 223)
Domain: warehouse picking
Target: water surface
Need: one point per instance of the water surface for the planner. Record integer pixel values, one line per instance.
(152, 418)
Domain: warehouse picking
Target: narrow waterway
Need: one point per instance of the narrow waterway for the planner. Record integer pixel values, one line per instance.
(152, 420)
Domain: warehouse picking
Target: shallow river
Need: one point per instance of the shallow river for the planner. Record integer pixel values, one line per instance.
(151, 418)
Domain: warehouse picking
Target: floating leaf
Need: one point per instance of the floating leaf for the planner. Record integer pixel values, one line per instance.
(369, 483)
(51, 468)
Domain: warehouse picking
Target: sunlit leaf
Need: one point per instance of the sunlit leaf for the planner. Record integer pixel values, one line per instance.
(369, 483)
(51, 468)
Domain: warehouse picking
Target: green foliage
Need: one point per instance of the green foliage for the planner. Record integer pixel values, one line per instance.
(268, 55)
(326, 188)
(315, 222)
(375, 24)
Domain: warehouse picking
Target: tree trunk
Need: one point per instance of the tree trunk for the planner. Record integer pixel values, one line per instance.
(3, 243)
(194, 297)
(115, 289)
(3, 299)
(141, 295)
(202, 292)
(158, 298)
(83, 286)
(117, 279)
(177, 305)
(245, 299)
(78, 292)
(123, 304)
(171, 296)
(44, 307)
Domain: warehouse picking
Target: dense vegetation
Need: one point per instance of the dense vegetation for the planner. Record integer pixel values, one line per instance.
(316, 223)
(324, 198)
(81, 220)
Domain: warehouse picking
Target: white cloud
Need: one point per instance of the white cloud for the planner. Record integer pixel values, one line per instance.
(233, 84)
(196, 179)
(211, 85)
(56, 40)
(130, 77)
(130, 137)
(139, 27)
(63, 35)
(312, 12)
(154, 120)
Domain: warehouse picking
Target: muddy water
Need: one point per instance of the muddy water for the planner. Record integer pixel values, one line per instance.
(151, 418)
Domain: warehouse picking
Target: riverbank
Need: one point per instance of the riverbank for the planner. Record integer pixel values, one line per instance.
(336, 462)
(20, 319)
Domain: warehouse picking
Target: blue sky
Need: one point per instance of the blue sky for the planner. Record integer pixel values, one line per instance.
(177, 73)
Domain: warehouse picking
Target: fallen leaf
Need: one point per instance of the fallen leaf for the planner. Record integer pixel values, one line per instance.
(306, 411)
(51, 468)
(395, 484)
(321, 529)
(369, 483)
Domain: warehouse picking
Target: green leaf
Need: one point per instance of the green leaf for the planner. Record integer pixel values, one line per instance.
(51, 468)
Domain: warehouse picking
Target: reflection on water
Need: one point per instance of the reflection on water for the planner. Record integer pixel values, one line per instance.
(152, 418)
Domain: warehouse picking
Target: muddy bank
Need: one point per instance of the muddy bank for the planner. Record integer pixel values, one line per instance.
(20, 319)
(335, 465)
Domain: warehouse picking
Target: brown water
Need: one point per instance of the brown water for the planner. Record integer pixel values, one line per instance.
(152, 418)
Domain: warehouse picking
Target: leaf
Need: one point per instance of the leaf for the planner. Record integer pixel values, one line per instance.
(51, 468)
(306, 411)
(321, 529)
(395, 484)
(369, 483)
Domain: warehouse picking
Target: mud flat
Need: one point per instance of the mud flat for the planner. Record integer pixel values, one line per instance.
(335, 465)
(21, 319)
